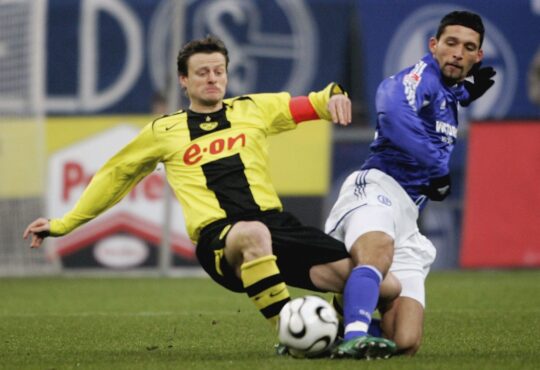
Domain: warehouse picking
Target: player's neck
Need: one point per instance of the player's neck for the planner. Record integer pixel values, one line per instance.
(202, 108)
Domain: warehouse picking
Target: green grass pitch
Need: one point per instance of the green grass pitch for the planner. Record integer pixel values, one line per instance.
(474, 320)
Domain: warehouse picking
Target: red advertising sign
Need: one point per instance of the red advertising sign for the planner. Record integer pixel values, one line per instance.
(501, 226)
(129, 234)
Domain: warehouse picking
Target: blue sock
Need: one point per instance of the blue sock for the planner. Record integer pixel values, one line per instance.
(375, 329)
(360, 300)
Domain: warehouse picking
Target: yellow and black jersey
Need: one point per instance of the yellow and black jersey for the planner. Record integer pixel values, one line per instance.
(216, 163)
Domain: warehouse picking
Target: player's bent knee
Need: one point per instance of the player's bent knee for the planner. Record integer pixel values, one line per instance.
(251, 239)
(374, 248)
(390, 289)
(331, 277)
(408, 343)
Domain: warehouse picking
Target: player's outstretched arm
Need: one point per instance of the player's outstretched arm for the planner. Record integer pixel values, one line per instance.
(39, 230)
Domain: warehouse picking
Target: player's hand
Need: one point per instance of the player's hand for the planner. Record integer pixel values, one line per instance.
(39, 229)
(339, 107)
(483, 80)
(438, 188)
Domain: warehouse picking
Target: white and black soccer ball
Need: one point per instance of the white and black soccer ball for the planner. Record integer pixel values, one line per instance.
(308, 326)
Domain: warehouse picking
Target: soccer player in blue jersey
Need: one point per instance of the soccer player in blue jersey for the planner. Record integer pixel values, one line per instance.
(377, 209)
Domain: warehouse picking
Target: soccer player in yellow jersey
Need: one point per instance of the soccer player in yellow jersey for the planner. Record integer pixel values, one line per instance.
(215, 154)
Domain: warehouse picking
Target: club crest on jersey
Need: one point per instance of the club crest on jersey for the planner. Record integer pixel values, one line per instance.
(208, 126)
(384, 200)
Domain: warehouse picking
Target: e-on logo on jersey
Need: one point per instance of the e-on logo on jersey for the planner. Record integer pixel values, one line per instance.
(195, 152)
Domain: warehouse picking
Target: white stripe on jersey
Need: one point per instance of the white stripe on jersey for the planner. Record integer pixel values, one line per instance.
(411, 81)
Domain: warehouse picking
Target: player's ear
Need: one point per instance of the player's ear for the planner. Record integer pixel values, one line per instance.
(432, 44)
(480, 55)
(182, 80)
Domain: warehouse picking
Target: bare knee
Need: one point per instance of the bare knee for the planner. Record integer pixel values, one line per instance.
(403, 323)
(375, 248)
(331, 277)
(390, 289)
(247, 241)
(408, 343)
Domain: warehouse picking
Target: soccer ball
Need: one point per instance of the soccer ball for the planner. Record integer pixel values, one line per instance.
(307, 326)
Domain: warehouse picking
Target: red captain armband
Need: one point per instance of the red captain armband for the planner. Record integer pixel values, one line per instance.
(302, 110)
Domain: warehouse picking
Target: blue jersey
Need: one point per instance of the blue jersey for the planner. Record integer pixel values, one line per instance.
(417, 123)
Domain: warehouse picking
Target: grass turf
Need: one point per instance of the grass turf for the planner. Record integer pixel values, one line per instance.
(474, 320)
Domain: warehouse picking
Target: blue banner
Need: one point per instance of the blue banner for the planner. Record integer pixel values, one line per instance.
(395, 34)
(112, 56)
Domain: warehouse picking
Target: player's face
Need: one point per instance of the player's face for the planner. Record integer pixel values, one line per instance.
(206, 81)
(456, 51)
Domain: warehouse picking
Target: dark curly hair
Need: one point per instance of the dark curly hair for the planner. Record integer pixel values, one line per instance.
(462, 18)
(209, 44)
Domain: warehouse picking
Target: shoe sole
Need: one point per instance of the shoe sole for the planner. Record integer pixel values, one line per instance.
(367, 350)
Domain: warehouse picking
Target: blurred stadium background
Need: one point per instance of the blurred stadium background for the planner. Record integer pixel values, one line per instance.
(79, 78)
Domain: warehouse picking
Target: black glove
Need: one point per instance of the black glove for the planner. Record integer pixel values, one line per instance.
(438, 188)
(483, 80)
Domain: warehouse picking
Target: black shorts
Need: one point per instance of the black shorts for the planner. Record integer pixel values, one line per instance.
(297, 248)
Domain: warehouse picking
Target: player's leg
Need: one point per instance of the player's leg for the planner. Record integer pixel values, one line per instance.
(403, 322)
(248, 249)
(386, 291)
(363, 217)
(371, 252)
(246, 264)
(403, 319)
(389, 290)
(310, 259)
(372, 255)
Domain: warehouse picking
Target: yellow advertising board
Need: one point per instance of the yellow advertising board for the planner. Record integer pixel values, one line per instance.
(299, 159)
(22, 158)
